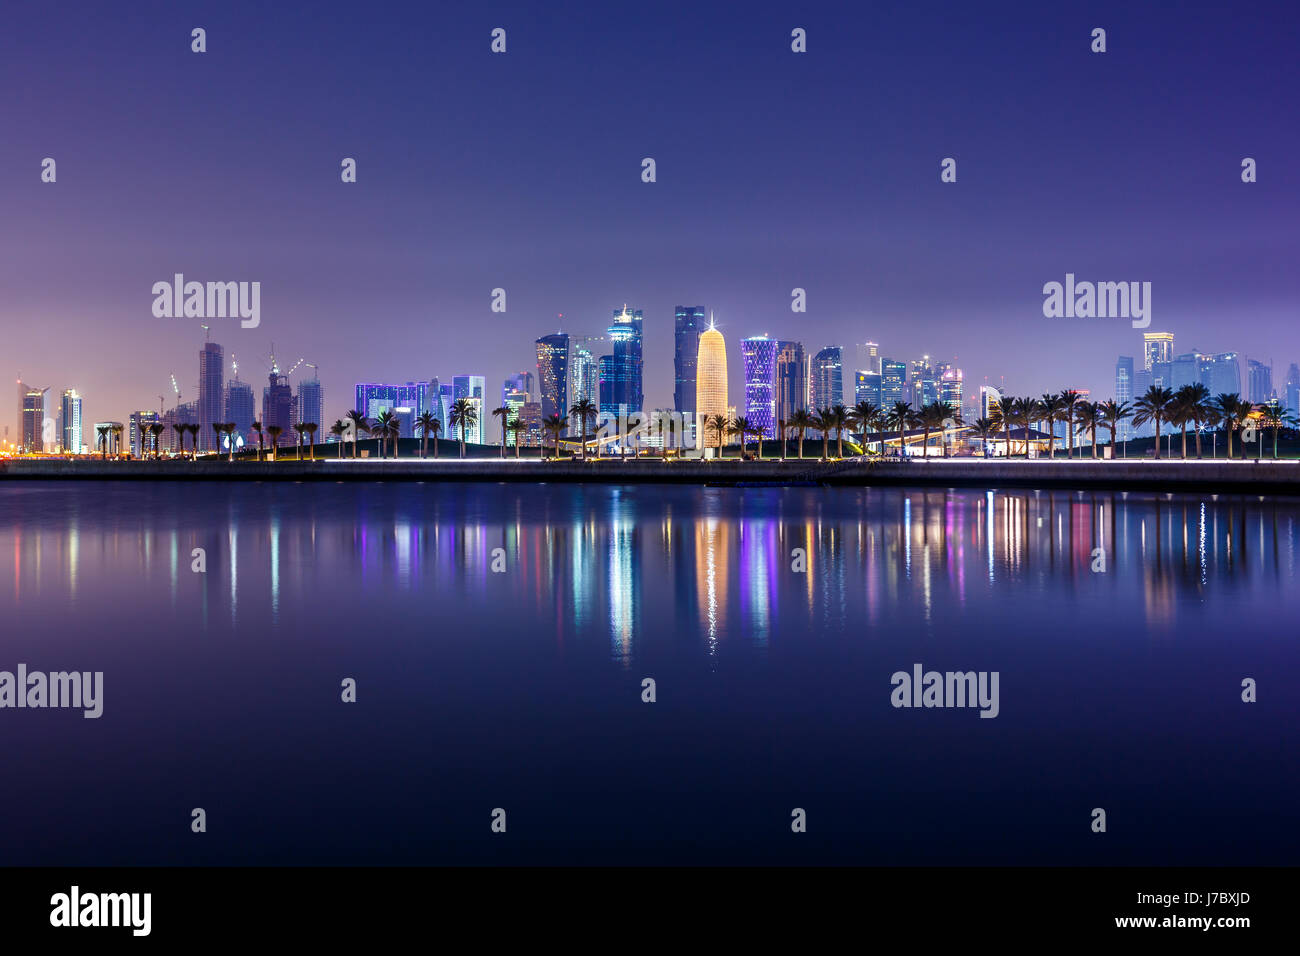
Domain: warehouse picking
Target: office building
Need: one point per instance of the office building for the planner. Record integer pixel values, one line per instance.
(33, 410)
(688, 324)
(827, 378)
(625, 370)
(1259, 382)
(241, 409)
(790, 383)
(474, 389)
(311, 403)
(867, 357)
(758, 353)
(211, 399)
(866, 387)
(893, 379)
(553, 373)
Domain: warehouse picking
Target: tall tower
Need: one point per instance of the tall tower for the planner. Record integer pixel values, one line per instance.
(625, 386)
(553, 373)
(759, 354)
(211, 394)
(710, 375)
(688, 325)
(71, 436)
(828, 378)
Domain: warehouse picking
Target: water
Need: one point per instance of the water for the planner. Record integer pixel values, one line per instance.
(522, 690)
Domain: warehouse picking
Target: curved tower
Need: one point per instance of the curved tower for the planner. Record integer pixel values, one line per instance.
(711, 374)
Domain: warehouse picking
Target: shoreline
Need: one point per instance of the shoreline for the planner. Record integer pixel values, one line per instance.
(1265, 476)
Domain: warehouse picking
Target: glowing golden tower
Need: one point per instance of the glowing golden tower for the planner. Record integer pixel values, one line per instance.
(711, 374)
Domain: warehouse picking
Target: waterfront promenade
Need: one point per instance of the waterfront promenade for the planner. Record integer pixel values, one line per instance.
(1237, 477)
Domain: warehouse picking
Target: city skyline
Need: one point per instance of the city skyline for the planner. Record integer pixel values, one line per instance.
(762, 187)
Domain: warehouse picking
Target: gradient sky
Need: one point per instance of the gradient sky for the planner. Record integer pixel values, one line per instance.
(522, 171)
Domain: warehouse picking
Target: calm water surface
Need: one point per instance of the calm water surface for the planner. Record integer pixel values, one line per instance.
(522, 689)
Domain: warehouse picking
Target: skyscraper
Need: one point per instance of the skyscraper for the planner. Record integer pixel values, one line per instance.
(625, 383)
(710, 378)
(828, 378)
(1293, 388)
(866, 388)
(1157, 347)
(925, 383)
(279, 407)
(553, 373)
(140, 437)
(32, 415)
(1124, 392)
(311, 403)
(893, 377)
(240, 408)
(790, 383)
(688, 325)
(70, 422)
(950, 387)
(211, 395)
(1225, 374)
(1259, 382)
(759, 355)
(584, 370)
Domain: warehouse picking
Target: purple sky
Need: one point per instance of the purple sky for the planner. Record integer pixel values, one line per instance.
(775, 170)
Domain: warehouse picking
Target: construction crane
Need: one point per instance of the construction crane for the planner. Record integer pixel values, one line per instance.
(294, 369)
(177, 389)
(205, 329)
(234, 364)
(315, 368)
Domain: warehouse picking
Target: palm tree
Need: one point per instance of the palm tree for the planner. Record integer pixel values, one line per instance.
(865, 416)
(740, 427)
(425, 422)
(1050, 409)
(193, 429)
(218, 429)
(1179, 413)
(1278, 418)
(230, 429)
(555, 426)
(801, 421)
(586, 412)
(1228, 406)
(516, 427)
(156, 429)
(360, 423)
(1112, 413)
(1028, 411)
(117, 431)
(932, 417)
(1199, 409)
(1003, 415)
(301, 429)
(257, 427)
(310, 429)
(838, 417)
(720, 424)
(502, 412)
(387, 428)
(102, 442)
(1069, 404)
(984, 429)
(275, 431)
(782, 429)
(337, 430)
(464, 413)
(1087, 415)
(180, 429)
(824, 422)
(899, 416)
(1153, 406)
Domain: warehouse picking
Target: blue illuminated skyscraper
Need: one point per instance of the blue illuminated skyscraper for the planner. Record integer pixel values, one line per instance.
(625, 394)
(759, 355)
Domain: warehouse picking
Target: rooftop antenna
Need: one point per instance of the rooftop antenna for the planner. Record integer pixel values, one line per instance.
(234, 364)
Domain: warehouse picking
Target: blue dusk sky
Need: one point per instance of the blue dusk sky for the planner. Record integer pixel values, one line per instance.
(775, 170)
